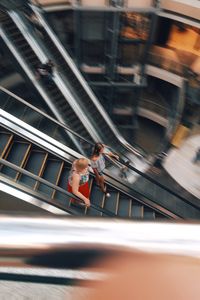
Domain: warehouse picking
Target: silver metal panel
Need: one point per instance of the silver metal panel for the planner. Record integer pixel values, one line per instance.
(37, 136)
(29, 198)
(32, 236)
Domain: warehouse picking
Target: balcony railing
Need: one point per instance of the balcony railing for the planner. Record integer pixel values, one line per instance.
(167, 64)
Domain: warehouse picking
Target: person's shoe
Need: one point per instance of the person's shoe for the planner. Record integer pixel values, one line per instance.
(127, 163)
(107, 195)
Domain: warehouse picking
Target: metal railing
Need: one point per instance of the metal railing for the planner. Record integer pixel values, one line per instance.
(88, 146)
(53, 202)
(167, 64)
(154, 107)
(50, 237)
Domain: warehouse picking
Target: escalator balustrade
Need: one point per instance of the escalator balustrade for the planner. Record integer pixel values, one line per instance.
(38, 161)
(32, 60)
(138, 184)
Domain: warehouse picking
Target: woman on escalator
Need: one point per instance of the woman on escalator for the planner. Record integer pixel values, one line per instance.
(78, 181)
(98, 164)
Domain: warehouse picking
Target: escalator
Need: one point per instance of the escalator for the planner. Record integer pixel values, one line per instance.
(29, 60)
(36, 143)
(83, 113)
(83, 94)
(39, 173)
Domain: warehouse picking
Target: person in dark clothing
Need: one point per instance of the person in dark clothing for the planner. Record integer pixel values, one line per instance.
(197, 156)
(45, 72)
(124, 170)
(49, 67)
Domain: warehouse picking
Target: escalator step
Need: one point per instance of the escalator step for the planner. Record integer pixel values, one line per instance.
(50, 174)
(124, 207)
(33, 165)
(4, 140)
(15, 156)
(96, 197)
(64, 177)
(137, 210)
(149, 214)
(111, 202)
(59, 196)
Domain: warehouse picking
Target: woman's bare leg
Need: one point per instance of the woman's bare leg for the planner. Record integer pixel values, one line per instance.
(102, 184)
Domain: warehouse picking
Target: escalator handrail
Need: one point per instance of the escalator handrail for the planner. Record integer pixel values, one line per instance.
(45, 115)
(149, 178)
(163, 187)
(55, 187)
(130, 167)
(7, 122)
(147, 202)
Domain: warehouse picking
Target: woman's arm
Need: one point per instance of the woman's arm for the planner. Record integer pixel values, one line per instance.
(109, 153)
(112, 155)
(96, 173)
(75, 187)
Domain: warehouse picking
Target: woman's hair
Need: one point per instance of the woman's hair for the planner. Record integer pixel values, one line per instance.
(82, 163)
(97, 149)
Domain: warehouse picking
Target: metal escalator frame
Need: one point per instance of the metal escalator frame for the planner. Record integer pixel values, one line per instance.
(53, 186)
(64, 126)
(83, 82)
(74, 154)
(34, 135)
(42, 57)
(58, 80)
(33, 80)
(67, 154)
(24, 193)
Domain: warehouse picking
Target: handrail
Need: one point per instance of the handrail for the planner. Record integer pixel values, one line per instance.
(152, 104)
(27, 241)
(45, 115)
(55, 187)
(122, 162)
(163, 187)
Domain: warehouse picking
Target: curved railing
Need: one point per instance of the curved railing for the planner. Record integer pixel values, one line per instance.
(167, 64)
(154, 107)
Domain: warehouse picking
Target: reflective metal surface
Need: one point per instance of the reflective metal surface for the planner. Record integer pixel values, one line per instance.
(24, 238)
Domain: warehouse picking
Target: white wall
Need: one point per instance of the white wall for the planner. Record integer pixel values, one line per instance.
(190, 8)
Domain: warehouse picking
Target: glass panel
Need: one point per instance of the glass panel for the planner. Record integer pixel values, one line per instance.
(14, 107)
(4, 99)
(44, 124)
(142, 185)
(32, 117)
